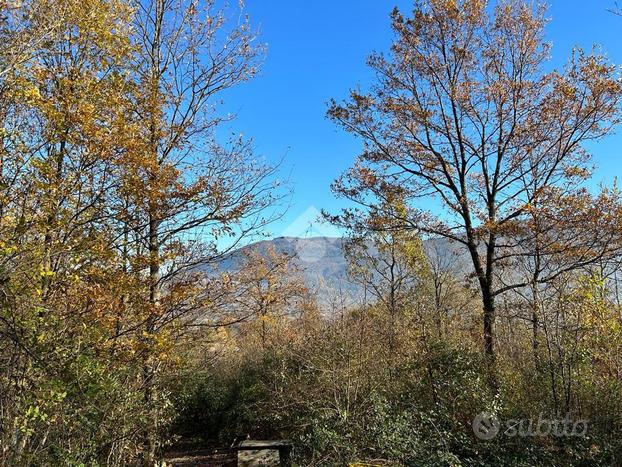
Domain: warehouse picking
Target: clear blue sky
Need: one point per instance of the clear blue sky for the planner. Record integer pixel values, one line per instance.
(317, 50)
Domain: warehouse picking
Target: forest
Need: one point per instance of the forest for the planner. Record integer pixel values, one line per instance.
(488, 327)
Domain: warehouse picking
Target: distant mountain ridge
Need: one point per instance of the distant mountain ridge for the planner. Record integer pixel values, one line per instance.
(324, 268)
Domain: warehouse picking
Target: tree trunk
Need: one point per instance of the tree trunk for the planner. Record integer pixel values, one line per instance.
(535, 321)
(150, 435)
(488, 300)
(488, 297)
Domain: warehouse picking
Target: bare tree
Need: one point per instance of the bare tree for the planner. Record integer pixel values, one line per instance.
(391, 267)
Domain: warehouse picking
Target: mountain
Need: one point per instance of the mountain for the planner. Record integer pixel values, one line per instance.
(323, 265)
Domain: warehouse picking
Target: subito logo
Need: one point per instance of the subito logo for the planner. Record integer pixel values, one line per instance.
(486, 426)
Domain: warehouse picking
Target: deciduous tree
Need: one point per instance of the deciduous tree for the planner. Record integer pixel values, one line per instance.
(465, 115)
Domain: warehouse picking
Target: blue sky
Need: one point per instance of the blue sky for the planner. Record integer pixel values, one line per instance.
(317, 50)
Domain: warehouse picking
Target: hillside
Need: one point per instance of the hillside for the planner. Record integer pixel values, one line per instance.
(323, 265)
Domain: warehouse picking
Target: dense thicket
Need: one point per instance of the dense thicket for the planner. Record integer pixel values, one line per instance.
(400, 382)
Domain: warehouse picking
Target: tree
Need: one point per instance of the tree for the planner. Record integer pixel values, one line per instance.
(268, 287)
(113, 192)
(392, 268)
(25, 27)
(60, 142)
(184, 196)
(464, 114)
(563, 233)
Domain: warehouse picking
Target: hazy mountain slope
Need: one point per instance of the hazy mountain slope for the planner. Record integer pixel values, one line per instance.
(324, 269)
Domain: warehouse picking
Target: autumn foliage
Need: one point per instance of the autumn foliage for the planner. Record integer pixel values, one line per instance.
(113, 189)
(120, 337)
